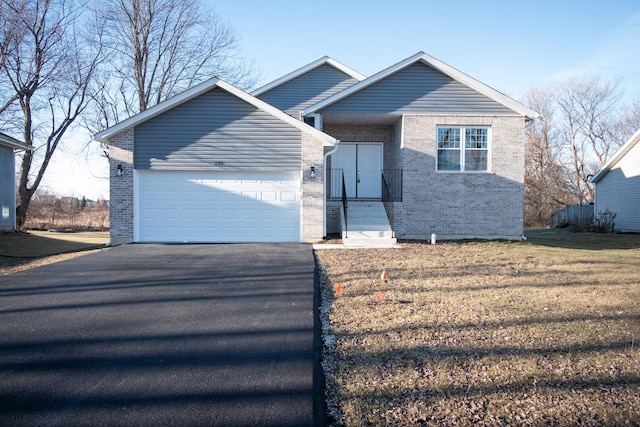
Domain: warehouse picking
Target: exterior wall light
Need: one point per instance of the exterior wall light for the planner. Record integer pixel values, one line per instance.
(119, 170)
(313, 172)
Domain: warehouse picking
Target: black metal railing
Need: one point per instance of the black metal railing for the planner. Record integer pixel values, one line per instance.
(391, 191)
(345, 207)
(387, 201)
(334, 184)
(393, 178)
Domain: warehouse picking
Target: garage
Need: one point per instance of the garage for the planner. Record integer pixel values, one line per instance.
(224, 207)
(215, 165)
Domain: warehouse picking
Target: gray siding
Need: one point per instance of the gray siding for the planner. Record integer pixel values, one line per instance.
(417, 89)
(7, 189)
(308, 89)
(619, 191)
(217, 131)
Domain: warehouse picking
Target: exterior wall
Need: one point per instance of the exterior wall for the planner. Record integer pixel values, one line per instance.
(366, 133)
(312, 189)
(619, 191)
(217, 131)
(307, 89)
(121, 187)
(389, 135)
(417, 89)
(458, 205)
(7, 189)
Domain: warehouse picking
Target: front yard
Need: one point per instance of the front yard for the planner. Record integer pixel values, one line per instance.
(542, 332)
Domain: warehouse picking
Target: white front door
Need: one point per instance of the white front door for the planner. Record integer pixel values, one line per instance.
(362, 168)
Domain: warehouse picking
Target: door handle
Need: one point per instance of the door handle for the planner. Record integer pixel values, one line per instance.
(358, 177)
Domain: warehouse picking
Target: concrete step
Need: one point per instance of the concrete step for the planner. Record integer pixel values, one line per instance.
(368, 226)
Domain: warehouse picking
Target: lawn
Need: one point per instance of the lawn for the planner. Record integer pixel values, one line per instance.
(542, 332)
(22, 250)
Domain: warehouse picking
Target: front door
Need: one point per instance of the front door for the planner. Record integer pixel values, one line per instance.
(362, 168)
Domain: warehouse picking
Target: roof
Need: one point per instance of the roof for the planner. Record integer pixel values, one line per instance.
(200, 89)
(635, 139)
(8, 141)
(438, 65)
(303, 70)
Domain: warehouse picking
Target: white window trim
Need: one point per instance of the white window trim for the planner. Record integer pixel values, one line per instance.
(462, 148)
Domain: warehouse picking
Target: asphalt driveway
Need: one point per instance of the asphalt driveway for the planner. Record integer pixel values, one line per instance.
(152, 335)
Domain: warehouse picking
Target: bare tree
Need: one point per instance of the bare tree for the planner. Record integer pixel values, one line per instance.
(583, 122)
(47, 70)
(546, 187)
(158, 48)
(586, 110)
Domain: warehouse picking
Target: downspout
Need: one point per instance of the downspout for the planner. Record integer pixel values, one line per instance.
(318, 125)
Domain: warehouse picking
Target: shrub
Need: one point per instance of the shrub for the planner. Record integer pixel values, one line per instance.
(603, 223)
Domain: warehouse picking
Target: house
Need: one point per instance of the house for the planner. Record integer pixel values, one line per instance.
(617, 186)
(416, 149)
(8, 145)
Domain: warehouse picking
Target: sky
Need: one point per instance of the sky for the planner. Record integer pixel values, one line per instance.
(509, 45)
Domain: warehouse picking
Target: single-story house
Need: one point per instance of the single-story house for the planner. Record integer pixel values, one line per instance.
(617, 186)
(8, 145)
(323, 150)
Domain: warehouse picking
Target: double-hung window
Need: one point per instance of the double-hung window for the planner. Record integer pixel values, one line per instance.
(463, 148)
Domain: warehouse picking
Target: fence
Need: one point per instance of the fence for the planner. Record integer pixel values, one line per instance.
(572, 214)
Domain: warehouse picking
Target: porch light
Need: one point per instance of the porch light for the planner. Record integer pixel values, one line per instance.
(313, 172)
(119, 170)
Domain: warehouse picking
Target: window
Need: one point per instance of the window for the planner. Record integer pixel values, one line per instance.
(463, 148)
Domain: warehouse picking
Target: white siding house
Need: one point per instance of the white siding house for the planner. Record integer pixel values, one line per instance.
(617, 186)
(8, 145)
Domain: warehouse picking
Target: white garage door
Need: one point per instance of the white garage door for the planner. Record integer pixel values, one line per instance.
(217, 207)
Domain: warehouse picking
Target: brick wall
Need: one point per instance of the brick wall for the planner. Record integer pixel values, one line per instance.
(366, 133)
(121, 187)
(312, 189)
(462, 205)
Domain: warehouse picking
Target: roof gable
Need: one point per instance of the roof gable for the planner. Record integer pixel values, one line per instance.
(215, 129)
(325, 60)
(306, 89)
(631, 143)
(10, 142)
(199, 90)
(453, 77)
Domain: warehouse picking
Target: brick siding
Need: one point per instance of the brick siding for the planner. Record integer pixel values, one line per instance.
(462, 205)
(121, 187)
(312, 202)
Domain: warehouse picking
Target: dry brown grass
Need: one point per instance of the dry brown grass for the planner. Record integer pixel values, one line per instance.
(543, 332)
(23, 250)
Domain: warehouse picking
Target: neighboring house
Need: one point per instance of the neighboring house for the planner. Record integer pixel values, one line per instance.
(214, 164)
(8, 181)
(617, 186)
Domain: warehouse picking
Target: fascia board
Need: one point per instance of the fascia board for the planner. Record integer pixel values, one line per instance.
(279, 114)
(157, 109)
(479, 86)
(635, 139)
(442, 67)
(11, 142)
(361, 85)
(199, 89)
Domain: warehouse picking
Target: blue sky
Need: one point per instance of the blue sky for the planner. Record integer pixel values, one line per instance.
(509, 45)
